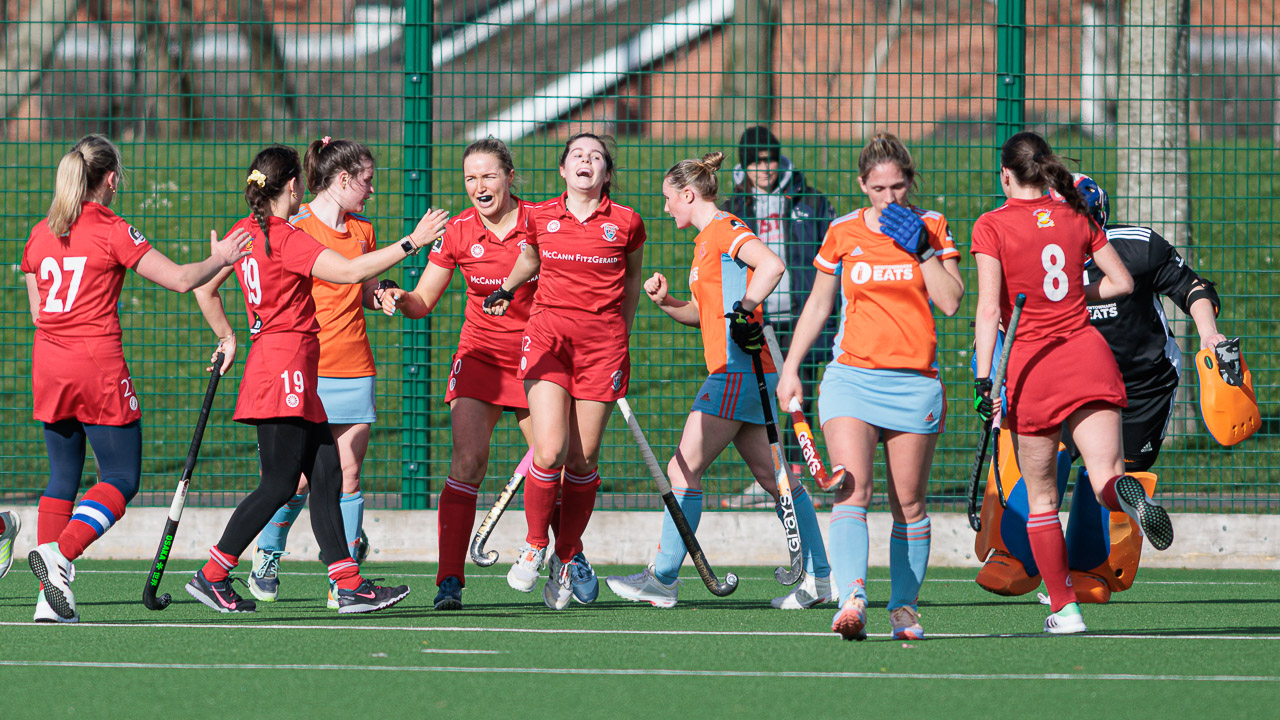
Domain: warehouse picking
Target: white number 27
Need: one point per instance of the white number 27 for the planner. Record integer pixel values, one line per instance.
(49, 268)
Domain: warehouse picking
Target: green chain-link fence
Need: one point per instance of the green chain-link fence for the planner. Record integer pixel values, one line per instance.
(190, 89)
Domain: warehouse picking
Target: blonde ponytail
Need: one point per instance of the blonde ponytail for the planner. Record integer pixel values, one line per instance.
(82, 169)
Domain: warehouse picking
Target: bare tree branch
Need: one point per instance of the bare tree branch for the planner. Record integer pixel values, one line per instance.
(269, 94)
(898, 12)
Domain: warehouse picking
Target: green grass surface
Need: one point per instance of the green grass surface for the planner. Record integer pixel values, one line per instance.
(1178, 642)
(176, 192)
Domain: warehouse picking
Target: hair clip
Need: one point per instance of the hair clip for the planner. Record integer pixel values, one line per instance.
(324, 141)
(256, 177)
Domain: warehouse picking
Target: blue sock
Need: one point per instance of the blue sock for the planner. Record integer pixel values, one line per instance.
(815, 552)
(274, 536)
(849, 547)
(352, 507)
(908, 561)
(671, 549)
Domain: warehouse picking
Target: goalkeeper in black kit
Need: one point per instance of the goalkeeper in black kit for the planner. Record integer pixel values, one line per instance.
(1103, 548)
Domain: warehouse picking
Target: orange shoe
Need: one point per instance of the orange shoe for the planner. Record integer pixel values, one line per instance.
(1004, 574)
(1090, 588)
(851, 619)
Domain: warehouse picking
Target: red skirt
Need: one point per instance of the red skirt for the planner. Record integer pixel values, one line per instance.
(84, 378)
(1048, 381)
(280, 379)
(473, 376)
(584, 354)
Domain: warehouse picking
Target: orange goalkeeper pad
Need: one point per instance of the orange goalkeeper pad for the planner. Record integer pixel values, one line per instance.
(1227, 401)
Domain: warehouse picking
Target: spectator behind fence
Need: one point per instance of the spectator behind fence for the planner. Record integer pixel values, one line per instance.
(791, 217)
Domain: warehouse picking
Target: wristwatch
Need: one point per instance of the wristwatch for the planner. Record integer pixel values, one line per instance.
(408, 247)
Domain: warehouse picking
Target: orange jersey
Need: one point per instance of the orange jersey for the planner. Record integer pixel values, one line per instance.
(344, 341)
(717, 280)
(887, 320)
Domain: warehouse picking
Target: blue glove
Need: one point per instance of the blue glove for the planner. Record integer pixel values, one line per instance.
(907, 230)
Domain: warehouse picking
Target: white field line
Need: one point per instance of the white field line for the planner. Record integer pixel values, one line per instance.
(784, 674)
(442, 651)
(584, 631)
(689, 578)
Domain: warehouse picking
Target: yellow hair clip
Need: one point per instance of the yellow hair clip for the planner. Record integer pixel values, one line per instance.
(257, 177)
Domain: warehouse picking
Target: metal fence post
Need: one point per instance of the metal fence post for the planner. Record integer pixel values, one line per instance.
(1011, 68)
(415, 482)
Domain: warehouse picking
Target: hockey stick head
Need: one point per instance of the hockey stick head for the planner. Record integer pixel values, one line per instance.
(789, 575)
(155, 603)
(725, 588)
(478, 554)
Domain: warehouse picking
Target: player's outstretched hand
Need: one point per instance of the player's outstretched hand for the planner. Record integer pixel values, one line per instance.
(498, 302)
(905, 227)
(230, 248)
(747, 334)
(390, 300)
(380, 295)
(982, 398)
(656, 288)
(789, 388)
(226, 346)
(430, 228)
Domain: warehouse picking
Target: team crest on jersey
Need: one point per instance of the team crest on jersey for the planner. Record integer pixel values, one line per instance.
(137, 236)
(610, 231)
(736, 224)
(553, 226)
(256, 327)
(133, 402)
(291, 400)
(522, 245)
(617, 380)
(438, 245)
(477, 250)
(1043, 220)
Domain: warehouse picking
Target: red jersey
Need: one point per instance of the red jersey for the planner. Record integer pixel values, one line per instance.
(485, 261)
(283, 365)
(583, 263)
(277, 287)
(79, 276)
(1042, 246)
(888, 322)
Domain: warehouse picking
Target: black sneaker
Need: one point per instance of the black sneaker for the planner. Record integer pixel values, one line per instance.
(1146, 514)
(450, 595)
(219, 595)
(370, 598)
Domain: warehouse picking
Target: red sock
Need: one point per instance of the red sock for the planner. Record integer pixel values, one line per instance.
(555, 517)
(96, 512)
(454, 519)
(578, 497)
(54, 514)
(1108, 495)
(540, 503)
(1049, 549)
(345, 574)
(219, 566)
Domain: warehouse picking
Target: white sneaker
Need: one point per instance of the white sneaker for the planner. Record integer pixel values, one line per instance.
(809, 592)
(644, 587)
(524, 574)
(1066, 621)
(12, 524)
(45, 613)
(558, 590)
(264, 579)
(55, 573)
(906, 623)
(332, 602)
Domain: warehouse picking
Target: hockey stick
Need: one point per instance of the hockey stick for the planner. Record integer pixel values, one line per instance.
(980, 459)
(478, 555)
(717, 588)
(804, 434)
(782, 475)
(180, 498)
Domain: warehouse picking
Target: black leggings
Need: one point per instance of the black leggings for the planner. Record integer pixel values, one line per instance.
(287, 448)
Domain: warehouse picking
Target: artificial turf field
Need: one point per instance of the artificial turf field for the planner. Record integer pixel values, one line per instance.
(1180, 642)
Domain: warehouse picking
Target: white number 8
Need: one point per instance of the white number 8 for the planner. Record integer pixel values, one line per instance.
(1055, 281)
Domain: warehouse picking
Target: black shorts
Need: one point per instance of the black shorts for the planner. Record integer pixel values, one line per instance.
(1144, 423)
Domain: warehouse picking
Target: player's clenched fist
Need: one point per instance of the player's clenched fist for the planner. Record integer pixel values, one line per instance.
(656, 288)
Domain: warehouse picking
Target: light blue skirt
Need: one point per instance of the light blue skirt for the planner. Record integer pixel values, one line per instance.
(347, 400)
(901, 400)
